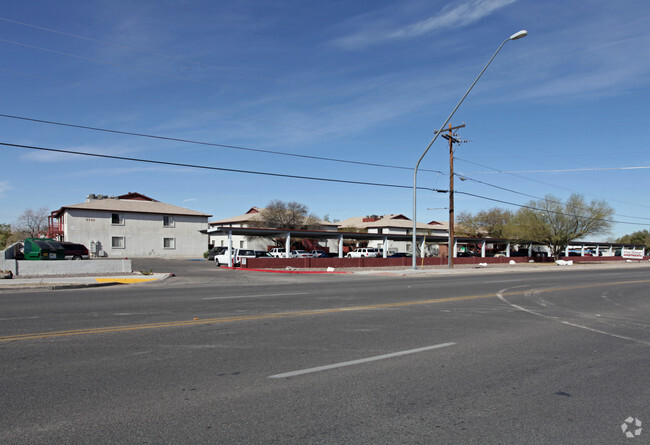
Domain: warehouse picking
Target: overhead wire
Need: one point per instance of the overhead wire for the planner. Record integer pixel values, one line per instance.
(223, 145)
(209, 144)
(139, 50)
(206, 167)
(281, 175)
(545, 210)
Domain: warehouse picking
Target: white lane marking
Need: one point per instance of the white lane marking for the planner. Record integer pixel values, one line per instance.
(255, 296)
(358, 362)
(549, 317)
(606, 333)
(19, 318)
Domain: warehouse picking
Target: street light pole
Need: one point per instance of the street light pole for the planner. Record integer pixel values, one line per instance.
(515, 36)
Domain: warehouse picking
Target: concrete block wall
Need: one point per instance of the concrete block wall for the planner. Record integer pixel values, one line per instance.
(61, 267)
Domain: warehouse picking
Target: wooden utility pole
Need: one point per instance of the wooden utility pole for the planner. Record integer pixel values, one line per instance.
(452, 140)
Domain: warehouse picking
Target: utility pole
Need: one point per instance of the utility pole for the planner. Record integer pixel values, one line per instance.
(452, 140)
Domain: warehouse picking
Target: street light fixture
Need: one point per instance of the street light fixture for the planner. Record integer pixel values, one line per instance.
(515, 36)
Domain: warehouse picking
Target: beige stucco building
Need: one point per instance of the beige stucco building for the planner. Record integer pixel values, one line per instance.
(131, 226)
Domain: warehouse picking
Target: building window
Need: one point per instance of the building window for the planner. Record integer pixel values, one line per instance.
(169, 243)
(241, 244)
(117, 219)
(168, 221)
(117, 242)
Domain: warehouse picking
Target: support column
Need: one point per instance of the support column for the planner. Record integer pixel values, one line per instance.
(483, 245)
(385, 246)
(340, 246)
(229, 248)
(508, 250)
(287, 246)
(454, 251)
(530, 250)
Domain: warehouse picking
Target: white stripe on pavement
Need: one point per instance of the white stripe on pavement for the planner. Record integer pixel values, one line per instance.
(357, 362)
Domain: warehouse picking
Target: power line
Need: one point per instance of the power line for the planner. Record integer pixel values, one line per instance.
(532, 180)
(210, 144)
(248, 118)
(140, 50)
(533, 196)
(546, 210)
(206, 167)
(570, 170)
(281, 175)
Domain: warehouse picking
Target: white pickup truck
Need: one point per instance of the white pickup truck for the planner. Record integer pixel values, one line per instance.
(237, 255)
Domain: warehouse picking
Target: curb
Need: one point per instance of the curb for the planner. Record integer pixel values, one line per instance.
(313, 272)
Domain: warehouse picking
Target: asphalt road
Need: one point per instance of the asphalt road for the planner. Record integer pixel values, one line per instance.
(219, 356)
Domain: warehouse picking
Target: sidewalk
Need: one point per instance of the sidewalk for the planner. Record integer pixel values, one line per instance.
(85, 281)
(503, 268)
(76, 282)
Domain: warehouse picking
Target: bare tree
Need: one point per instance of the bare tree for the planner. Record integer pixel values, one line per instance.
(489, 223)
(287, 215)
(556, 224)
(32, 222)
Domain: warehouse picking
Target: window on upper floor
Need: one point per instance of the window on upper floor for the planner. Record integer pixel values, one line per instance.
(117, 219)
(168, 221)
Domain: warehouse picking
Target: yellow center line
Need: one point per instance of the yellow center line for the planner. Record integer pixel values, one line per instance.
(39, 335)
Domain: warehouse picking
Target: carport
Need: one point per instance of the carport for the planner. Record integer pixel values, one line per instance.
(319, 234)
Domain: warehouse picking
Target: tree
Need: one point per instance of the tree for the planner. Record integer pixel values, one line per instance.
(32, 222)
(640, 237)
(555, 224)
(486, 223)
(5, 234)
(286, 215)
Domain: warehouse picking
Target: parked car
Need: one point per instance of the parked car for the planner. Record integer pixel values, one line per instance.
(320, 254)
(278, 252)
(75, 251)
(301, 254)
(364, 252)
(513, 253)
(263, 254)
(400, 255)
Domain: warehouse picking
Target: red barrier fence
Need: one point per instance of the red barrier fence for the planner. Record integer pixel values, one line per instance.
(337, 263)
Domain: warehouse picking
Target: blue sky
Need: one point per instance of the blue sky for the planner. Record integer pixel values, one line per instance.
(564, 110)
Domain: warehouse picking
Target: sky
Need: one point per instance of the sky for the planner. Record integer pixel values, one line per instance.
(330, 104)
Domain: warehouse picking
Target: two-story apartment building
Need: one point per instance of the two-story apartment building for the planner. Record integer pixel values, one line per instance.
(131, 225)
(250, 219)
(396, 224)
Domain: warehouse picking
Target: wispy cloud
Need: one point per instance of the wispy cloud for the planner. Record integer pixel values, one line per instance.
(4, 187)
(455, 15)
